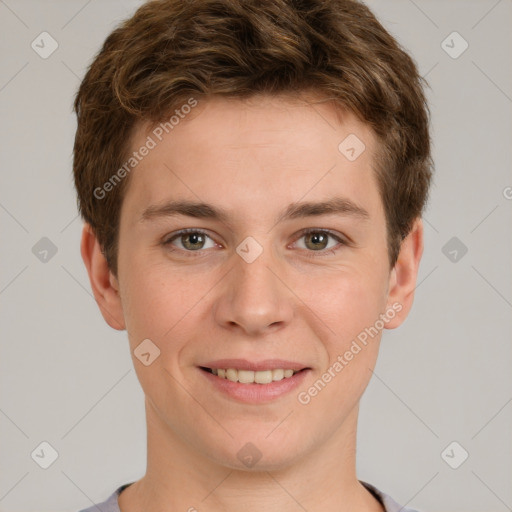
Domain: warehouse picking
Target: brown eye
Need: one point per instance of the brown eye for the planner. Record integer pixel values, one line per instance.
(316, 240)
(319, 240)
(190, 241)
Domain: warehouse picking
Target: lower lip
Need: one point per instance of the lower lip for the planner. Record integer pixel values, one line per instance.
(256, 393)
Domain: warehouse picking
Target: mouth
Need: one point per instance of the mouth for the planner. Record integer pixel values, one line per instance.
(253, 377)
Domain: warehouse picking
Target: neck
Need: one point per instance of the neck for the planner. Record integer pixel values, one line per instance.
(179, 477)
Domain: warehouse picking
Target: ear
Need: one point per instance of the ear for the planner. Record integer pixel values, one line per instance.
(402, 279)
(104, 284)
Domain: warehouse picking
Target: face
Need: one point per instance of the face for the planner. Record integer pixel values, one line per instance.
(283, 266)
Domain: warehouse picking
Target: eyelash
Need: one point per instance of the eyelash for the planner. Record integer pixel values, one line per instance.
(168, 242)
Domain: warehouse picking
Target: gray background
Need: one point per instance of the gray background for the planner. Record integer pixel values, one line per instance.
(445, 375)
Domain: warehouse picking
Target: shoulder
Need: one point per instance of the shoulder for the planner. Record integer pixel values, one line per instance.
(389, 504)
(110, 504)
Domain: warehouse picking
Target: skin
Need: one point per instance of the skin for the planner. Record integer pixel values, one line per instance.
(252, 158)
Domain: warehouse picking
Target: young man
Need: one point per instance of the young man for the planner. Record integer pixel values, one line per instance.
(252, 176)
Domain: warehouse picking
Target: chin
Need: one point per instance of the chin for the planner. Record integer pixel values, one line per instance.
(258, 455)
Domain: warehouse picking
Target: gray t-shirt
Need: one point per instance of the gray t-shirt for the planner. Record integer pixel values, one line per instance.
(111, 504)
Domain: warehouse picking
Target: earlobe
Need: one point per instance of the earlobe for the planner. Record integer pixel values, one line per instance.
(403, 277)
(104, 284)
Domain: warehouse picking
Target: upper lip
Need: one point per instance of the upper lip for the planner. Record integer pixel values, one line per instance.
(244, 364)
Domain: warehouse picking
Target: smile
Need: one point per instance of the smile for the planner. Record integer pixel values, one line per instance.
(254, 386)
(252, 377)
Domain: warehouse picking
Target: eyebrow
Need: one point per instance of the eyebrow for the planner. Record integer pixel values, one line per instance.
(199, 210)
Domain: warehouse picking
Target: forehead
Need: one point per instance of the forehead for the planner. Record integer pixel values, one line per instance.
(254, 152)
(261, 119)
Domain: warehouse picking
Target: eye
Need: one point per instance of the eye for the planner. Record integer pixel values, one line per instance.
(317, 240)
(190, 240)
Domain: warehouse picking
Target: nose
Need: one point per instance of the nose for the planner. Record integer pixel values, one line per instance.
(253, 299)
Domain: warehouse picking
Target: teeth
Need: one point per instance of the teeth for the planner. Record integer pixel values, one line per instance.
(245, 376)
(277, 374)
(250, 377)
(263, 377)
(232, 375)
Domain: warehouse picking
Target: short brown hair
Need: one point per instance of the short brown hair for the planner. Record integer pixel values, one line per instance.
(171, 50)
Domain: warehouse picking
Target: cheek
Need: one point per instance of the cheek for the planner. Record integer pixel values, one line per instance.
(155, 302)
(345, 301)
(350, 308)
